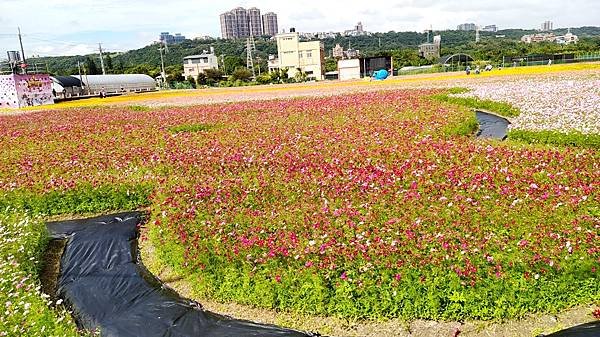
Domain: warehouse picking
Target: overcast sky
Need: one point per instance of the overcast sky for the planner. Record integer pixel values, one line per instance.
(68, 27)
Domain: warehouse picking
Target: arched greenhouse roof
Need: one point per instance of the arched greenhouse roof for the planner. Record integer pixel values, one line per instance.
(137, 80)
(456, 58)
(66, 81)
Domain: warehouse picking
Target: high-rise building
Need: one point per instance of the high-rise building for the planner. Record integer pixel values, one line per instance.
(229, 25)
(167, 38)
(467, 26)
(254, 20)
(242, 23)
(490, 28)
(547, 26)
(269, 21)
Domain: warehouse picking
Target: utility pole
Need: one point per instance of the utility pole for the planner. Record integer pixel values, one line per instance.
(24, 68)
(80, 78)
(101, 59)
(162, 63)
(249, 48)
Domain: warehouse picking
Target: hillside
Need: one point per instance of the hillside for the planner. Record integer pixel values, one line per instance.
(401, 44)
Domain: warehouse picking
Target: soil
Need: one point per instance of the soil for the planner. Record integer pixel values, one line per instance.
(51, 267)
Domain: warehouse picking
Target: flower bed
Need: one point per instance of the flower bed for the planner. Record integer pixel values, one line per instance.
(25, 310)
(366, 205)
(568, 102)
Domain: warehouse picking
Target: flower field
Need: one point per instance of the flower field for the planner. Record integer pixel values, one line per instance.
(565, 102)
(366, 205)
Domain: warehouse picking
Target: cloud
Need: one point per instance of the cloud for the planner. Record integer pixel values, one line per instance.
(135, 23)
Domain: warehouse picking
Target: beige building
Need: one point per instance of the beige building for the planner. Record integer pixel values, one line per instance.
(431, 50)
(294, 55)
(338, 51)
(195, 64)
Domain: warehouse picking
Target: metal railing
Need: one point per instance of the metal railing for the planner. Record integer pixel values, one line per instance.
(582, 57)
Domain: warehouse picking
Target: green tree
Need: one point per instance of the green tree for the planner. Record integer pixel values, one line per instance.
(90, 65)
(231, 63)
(174, 74)
(213, 76)
(300, 76)
(201, 79)
(144, 68)
(242, 74)
(109, 63)
(331, 64)
(191, 81)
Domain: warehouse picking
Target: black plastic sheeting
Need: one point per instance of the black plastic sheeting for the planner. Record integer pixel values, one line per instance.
(108, 289)
(491, 126)
(584, 330)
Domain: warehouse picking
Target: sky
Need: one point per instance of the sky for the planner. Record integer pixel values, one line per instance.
(71, 27)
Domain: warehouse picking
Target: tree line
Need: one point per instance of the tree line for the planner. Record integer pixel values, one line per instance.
(402, 46)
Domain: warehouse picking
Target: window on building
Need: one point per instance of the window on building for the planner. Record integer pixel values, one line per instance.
(308, 54)
(300, 54)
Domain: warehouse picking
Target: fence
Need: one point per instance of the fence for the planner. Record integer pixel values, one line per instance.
(524, 61)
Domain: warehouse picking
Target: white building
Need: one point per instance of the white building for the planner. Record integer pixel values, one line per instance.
(550, 37)
(195, 64)
(490, 28)
(567, 38)
(349, 69)
(466, 26)
(294, 55)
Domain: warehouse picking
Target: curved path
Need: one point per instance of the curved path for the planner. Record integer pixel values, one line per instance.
(491, 126)
(108, 289)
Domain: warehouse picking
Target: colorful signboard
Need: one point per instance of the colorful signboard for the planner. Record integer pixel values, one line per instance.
(17, 91)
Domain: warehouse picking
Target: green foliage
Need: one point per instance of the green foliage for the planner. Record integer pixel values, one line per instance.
(231, 63)
(191, 81)
(202, 79)
(26, 311)
(241, 74)
(141, 108)
(331, 64)
(191, 128)
(419, 294)
(556, 138)
(300, 76)
(84, 199)
(500, 108)
(90, 66)
(109, 63)
(402, 45)
(144, 68)
(213, 76)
